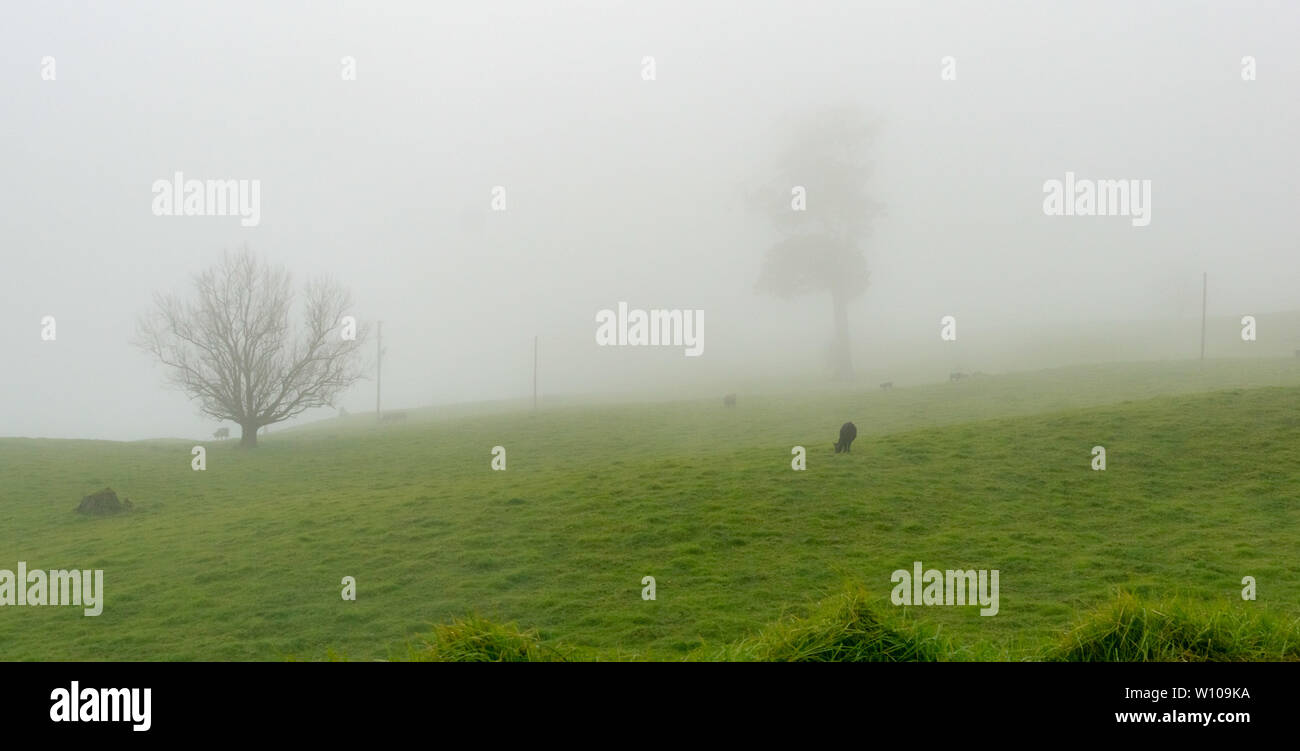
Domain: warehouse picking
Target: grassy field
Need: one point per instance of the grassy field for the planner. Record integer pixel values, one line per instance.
(244, 560)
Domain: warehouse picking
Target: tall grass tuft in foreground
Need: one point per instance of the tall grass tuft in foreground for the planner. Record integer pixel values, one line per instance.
(846, 628)
(842, 628)
(477, 639)
(1129, 629)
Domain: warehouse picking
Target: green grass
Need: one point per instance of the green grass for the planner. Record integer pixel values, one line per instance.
(847, 627)
(1131, 630)
(477, 639)
(852, 627)
(244, 560)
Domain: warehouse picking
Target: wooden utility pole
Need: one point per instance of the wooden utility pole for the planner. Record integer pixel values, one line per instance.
(379, 367)
(1205, 285)
(534, 373)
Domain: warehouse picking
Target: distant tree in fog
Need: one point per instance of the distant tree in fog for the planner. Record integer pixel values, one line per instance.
(821, 246)
(235, 349)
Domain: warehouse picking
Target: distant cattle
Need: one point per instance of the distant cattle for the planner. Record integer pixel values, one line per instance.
(729, 400)
(393, 417)
(954, 377)
(887, 385)
(221, 434)
(848, 431)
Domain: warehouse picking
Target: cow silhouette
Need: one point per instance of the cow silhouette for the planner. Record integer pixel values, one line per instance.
(221, 434)
(887, 385)
(848, 431)
(954, 377)
(729, 400)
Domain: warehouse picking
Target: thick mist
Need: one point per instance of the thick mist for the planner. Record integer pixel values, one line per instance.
(618, 188)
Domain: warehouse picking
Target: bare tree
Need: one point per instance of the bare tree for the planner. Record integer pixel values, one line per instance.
(822, 245)
(236, 351)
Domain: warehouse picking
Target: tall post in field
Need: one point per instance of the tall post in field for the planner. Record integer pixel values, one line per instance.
(1205, 285)
(379, 367)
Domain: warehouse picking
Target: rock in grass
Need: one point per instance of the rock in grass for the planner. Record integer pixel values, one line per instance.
(102, 503)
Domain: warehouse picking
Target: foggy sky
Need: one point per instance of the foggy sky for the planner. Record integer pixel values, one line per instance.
(621, 189)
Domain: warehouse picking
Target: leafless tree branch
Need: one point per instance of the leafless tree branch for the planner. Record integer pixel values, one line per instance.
(236, 350)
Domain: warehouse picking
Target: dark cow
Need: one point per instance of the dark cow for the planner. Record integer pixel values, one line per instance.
(848, 431)
(954, 377)
(729, 400)
(887, 385)
(222, 434)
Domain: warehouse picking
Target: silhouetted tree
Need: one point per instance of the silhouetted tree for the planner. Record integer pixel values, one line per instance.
(235, 349)
(822, 246)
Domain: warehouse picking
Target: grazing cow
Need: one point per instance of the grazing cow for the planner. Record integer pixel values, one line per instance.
(887, 385)
(221, 434)
(729, 400)
(954, 377)
(848, 431)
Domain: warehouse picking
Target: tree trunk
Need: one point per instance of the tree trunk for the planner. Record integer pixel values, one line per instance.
(843, 354)
(248, 435)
